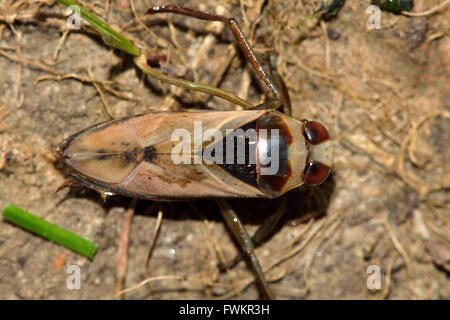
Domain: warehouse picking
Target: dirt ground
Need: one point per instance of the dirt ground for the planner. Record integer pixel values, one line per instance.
(384, 95)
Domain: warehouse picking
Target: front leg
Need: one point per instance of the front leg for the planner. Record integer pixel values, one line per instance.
(242, 42)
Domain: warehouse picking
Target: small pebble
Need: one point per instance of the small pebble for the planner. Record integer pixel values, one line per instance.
(333, 34)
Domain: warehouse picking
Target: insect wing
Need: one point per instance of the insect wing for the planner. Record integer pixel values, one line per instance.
(139, 156)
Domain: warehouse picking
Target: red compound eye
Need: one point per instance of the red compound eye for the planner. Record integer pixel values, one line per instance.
(315, 132)
(316, 173)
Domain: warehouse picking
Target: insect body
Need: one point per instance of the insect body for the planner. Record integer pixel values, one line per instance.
(259, 152)
(254, 153)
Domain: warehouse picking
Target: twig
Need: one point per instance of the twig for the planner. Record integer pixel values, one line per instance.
(102, 97)
(61, 41)
(122, 253)
(29, 62)
(323, 26)
(143, 283)
(154, 236)
(327, 231)
(387, 282)
(397, 244)
(236, 290)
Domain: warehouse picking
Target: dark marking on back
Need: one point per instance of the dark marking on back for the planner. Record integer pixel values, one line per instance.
(102, 156)
(125, 143)
(271, 121)
(246, 172)
(276, 182)
(130, 155)
(149, 153)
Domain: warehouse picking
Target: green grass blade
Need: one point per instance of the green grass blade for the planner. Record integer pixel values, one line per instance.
(109, 35)
(50, 231)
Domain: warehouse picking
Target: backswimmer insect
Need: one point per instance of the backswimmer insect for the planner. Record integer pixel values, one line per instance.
(204, 154)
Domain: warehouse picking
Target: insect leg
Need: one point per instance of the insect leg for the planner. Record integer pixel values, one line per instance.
(280, 84)
(263, 231)
(285, 100)
(141, 62)
(238, 230)
(237, 32)
(271, 104)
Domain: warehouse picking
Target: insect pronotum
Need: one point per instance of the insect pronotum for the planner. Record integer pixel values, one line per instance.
(259, 152)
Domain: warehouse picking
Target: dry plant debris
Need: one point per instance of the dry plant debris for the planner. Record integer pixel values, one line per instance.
(383, 93)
